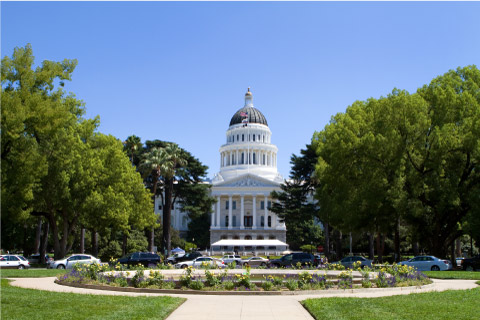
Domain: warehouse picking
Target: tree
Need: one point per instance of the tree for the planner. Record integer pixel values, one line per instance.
(68, 171)
(295, 205)
(187, 188)
(404, 158)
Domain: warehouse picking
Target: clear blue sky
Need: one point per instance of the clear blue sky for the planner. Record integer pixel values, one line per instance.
(178, 71)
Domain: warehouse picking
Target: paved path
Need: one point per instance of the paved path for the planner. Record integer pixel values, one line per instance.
(201, 307)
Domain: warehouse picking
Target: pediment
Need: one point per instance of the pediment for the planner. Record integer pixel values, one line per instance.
(248, 181)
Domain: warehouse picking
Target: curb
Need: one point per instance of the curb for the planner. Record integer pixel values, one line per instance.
(239, 293)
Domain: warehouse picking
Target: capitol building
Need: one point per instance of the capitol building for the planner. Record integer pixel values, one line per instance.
(241, 218)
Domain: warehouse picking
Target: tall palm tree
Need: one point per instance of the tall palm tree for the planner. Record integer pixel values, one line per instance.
(176, 160)
(163, 163)
(154, 163)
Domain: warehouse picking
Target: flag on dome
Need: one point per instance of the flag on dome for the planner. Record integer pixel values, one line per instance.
(243, 114)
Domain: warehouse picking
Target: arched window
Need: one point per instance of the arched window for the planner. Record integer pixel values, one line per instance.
(254, 158)
(243, 158)
(269, 221)
(271, 237)
(259, 237)
(223, 237)
(243, 137)
(248, 237)
(253, 137)
(236, 238)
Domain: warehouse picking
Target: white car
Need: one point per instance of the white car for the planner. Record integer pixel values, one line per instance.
(69, 262)
(428, 263)
(201, 261)
(11, 261)
(232, 258)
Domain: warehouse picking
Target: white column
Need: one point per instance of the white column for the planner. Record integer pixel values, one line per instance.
(265, 214)
(218, 212)
(212, 223)
(229, 212)
(254, 226)
(236, 158)
(242, 212)
(270, 159)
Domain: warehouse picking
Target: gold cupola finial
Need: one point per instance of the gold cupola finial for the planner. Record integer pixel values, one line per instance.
(248, 98)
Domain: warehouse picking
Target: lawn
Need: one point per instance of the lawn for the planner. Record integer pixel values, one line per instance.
(20, 303)
(455, 304)
(30, 273)
(467, 275)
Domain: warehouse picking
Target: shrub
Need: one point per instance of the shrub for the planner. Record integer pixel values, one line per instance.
(291, 284)
(228, 285)
(267, 285)
(196, 284)
(345, 280)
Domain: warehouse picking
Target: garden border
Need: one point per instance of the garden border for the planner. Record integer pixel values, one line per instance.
(236, 293)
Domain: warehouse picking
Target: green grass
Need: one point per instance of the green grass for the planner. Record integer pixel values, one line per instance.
(20, 303)
(455, 304)
(467, 275)
(30, 273)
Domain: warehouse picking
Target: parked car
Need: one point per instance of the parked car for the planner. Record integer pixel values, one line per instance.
(11, 261)
(147, 259)
(232, 258)
(428, 263)
(69, 262)
(255, 262)
(35, 258)
(348, 262)
(198, 262)
(293, 259)
(471, 264)
(174, 258)
(187, 257)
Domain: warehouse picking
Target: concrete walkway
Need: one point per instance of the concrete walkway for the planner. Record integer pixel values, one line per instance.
(201, 307)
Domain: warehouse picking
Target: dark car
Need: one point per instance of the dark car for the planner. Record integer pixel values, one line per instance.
(293, 259)
(187, 257)
(145, 258)
(471, 264)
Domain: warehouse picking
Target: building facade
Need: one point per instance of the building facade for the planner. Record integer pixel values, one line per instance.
(248, 174)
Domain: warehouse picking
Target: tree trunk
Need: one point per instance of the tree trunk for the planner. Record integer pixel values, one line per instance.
(124, 244)
(167, 214)
(415, 248)
(350, 241)
(327, 241)
(371, 251)
(38, 235)
(82, 240)
(339, 249)
(458, 247)
(397, 240)
(94, 243)
(452, 255)
(44, 242)
(379, 248)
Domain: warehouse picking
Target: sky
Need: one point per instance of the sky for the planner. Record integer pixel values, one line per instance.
(178, 71)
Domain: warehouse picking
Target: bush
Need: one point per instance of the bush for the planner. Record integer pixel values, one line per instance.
(228, 285)
(267, 285)
(196, 285)
(291, 284)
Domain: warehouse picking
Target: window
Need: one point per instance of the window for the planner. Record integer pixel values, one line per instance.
(253, 137)
(243, 158)
(262, 205)
(223, 237)
(184, 221)
(259, 237)
(248, 237)
(226, 205)
(262, 221)
(226, 221)
(234, 205)
(238, 137)
(263, 159)
(253, 158)
(234, 221)
(271, 237)
(259, 138)
(269, 204)
(269, 221)
(243, 137)
(247, 221)
(159, 207)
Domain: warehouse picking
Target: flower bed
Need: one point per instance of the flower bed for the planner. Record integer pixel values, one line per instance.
(222, 280)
